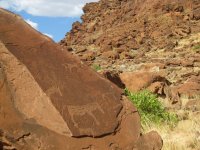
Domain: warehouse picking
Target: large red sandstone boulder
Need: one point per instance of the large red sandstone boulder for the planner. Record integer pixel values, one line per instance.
(50, 100)
(136, 81)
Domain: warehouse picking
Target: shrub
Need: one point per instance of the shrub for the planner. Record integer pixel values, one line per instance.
(196, 48)
(150, 108)
(96, 67)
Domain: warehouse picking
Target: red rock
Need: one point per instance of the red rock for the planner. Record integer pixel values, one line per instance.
(125, 55)
(151, 66)
(47, 96)
(131, 24)
(187, 63)
(191, 88)
(136, 81)
(111, 55)
(106, 48)
(64, 71)
(113, 77)
(196, 14)
(119, 50)
(145, 145)
(158, 88)
(88, 56)
(173, 62)
(80, 50)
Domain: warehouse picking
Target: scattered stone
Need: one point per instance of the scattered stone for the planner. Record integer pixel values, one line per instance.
(111, 55)
(88, 56)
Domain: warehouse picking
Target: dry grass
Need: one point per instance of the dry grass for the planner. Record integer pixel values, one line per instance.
(184, 136)
(194, 38)
(181, 135)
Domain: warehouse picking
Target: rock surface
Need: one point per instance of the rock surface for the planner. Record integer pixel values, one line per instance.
(145, 37)
(137, 81)
(116, 26)
(153, 36)
(50, 100)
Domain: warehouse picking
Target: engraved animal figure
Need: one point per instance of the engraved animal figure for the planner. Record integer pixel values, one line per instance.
(84, 109)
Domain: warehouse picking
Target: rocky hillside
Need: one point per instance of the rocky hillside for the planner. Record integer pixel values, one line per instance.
(147, 44)
(131, 25)
(135, 35)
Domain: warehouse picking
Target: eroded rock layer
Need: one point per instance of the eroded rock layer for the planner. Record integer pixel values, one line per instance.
(50, 100)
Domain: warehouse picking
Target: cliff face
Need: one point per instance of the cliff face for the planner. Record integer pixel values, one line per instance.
(128, 25)
(50, 100)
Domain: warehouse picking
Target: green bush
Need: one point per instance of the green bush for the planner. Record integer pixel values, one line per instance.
(96, 67)
(196, 47)
(150, 108)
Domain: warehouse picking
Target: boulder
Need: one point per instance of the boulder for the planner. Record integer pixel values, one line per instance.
(88, 56)
(191, 88)
(153, 67)
(136, 81)
(196, 14)
(50, 100)
(110, 55)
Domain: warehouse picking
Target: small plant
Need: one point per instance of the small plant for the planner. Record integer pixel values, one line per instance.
(150, 108)
(96, 67)
(196, 47)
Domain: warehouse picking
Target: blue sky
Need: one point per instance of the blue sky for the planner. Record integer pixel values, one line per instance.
(51, 17)
(56, 27)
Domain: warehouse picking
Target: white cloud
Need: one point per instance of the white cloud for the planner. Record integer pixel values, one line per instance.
(33, 24)
(49, 35)
(51, 8)
(4, 4)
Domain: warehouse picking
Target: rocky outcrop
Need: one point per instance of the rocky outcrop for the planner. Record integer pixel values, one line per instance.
(150, 36)
(120, 26)
(144, 40)
(50, 100)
